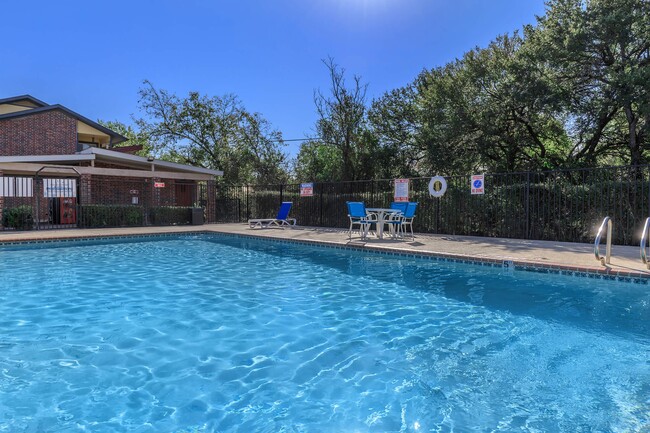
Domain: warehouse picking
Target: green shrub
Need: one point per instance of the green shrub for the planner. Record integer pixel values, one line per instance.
(170, 215)
(19, 218)
(110, 216)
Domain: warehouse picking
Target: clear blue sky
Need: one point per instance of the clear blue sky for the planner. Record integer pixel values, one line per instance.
(91, 56)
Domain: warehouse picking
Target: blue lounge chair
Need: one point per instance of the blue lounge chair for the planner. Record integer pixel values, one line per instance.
(279, 221)
(359, 216)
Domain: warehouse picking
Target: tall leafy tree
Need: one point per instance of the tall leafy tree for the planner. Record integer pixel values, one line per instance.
(213, 132)
(600, 50)
(319, 162)
(488, 111)
(396, 125)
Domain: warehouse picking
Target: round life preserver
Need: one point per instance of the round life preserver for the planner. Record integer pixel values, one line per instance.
(443, 186)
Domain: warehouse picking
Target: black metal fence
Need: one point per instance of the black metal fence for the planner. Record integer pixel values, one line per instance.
(562, 205)
(39, 203)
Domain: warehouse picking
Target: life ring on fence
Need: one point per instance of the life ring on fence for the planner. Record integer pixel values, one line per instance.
(432, 186)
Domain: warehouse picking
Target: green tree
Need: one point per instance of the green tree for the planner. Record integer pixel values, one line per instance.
(213, 132)
(489, 111)
(318, 162)
(600, 53)
(134, 137)
(396, 124)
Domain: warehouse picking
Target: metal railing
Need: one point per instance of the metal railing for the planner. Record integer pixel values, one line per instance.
(43, 202)
(606, 226)
(644, 242)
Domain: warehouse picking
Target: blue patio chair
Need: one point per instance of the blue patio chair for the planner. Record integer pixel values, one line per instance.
(281, 220)
(407, 218)
(400, 221)
(395, 220)
(359, 216)
(399, 205)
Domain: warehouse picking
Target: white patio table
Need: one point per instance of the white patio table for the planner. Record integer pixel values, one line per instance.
(381, 213)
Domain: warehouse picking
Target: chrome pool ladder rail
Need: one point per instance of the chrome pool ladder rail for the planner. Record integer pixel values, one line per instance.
(606, 225)
(644, 242)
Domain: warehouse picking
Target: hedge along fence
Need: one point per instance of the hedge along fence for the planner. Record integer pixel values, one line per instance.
(97, 215)
(563, 205)
(170, 215)
(18, 218)
(94, 216)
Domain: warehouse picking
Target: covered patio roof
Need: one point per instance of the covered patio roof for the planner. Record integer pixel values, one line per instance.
(30, 169)
(134, 166)
(111, 156)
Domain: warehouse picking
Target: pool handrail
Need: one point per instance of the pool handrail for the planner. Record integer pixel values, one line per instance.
(644, 242)
(606, 225)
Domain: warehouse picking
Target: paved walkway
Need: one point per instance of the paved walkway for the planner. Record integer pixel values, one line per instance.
(625, 260)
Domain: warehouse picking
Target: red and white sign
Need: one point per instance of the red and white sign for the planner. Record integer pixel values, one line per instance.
(478, 184)
(159, 184)
(401, 190)
(306, 189)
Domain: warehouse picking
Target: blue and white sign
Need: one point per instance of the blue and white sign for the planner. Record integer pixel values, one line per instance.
(477, 184)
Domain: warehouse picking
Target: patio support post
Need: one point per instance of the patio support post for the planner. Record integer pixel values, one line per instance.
(2, 200)
(38, 182)
(211, 211)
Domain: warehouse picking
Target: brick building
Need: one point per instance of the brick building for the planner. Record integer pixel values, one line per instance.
(58, 164)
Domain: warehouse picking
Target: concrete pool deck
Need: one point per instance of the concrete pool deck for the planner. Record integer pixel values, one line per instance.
(625, 261)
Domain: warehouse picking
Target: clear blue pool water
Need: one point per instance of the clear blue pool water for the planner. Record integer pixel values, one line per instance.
(212, 334)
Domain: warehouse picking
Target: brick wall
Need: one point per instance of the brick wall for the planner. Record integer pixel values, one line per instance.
(119, 191)
(46, 133)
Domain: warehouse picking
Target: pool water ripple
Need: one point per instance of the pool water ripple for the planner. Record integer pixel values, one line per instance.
(230, 335)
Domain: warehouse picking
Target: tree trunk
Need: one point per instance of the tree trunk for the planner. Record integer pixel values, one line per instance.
(636, 156)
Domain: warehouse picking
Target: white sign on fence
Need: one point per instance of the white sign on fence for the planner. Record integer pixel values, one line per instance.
(59, 188)
(16, 186)
(306, 189)
(401, 190)
(478, 184)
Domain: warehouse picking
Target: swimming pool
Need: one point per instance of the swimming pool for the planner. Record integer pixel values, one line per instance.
(216, 333)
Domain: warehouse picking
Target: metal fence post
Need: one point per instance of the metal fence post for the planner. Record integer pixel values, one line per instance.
(528, 205)
(248, 209)
(321, 207)
(648, 181)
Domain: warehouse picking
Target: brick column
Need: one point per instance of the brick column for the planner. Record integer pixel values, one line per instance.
(155, 193)
(211, 206)
(85, 190)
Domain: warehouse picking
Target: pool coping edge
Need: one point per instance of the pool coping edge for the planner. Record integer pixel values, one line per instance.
(604, 273)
